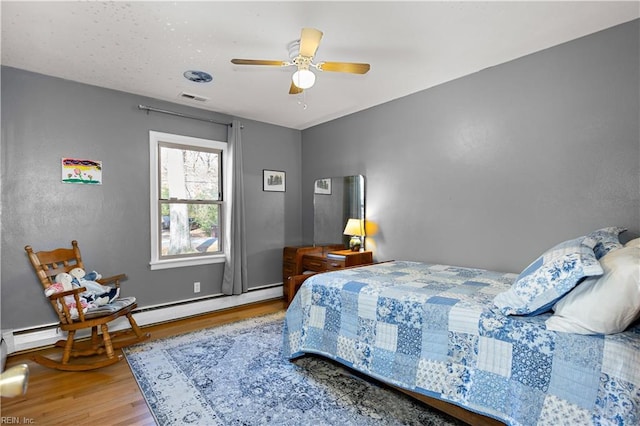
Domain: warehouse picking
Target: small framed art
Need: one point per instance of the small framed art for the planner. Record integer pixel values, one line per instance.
(76, 170)
(273, 180)
(323, 186)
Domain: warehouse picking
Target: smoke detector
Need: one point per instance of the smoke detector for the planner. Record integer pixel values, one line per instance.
(198, 76)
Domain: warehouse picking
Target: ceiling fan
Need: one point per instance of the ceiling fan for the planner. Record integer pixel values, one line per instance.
(301, 53)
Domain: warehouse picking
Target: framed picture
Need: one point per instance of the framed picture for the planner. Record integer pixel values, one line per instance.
(323, 186)
(77, 170)
(273, 180)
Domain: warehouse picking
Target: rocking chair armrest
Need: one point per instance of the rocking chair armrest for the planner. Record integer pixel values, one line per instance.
(76, 290)
(64, 312)
(115, 279)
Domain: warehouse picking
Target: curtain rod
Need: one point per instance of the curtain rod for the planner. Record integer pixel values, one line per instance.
(179, 114)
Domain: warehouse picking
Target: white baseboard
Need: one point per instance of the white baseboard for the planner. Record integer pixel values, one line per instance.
(49, 334)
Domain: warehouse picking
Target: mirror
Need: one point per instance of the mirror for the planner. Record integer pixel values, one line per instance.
(335, 200)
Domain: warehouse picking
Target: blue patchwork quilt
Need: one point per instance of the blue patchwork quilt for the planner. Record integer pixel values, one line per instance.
(433, 329)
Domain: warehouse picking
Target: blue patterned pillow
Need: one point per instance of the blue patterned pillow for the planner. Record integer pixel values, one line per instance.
(550, 277)
(606, 240)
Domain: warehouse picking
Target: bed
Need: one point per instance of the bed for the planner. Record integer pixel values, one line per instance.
(436, 332)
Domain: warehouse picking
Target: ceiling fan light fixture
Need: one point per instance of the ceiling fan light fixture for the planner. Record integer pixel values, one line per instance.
(304, 78)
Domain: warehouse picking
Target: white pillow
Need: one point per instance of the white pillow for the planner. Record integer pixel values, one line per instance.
(633, 243)
(602, 305)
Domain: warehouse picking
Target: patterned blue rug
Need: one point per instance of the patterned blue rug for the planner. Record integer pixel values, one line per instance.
(235, 374)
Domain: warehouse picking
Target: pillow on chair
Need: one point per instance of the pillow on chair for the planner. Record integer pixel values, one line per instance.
(110, 308)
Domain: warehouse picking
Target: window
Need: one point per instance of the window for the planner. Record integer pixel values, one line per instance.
(187, 200)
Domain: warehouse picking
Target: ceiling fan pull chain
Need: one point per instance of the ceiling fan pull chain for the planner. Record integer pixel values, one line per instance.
(302, 100)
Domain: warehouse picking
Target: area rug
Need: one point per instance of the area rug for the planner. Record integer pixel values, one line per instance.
(235, 374)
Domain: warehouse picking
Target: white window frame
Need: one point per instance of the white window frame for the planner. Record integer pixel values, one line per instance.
(154, 139)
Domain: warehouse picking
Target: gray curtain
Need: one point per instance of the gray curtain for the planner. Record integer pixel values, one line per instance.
(235, 267)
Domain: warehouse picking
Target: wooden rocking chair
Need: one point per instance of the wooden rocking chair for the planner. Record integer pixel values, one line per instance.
(47, 265)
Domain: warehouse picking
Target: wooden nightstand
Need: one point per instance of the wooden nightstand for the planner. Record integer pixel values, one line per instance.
(320, 261)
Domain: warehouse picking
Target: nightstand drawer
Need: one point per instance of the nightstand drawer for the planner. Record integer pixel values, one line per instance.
(312, 263)
(331, 264)
(321, 263)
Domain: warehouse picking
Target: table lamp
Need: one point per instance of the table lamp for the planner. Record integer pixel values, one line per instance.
(355, 228)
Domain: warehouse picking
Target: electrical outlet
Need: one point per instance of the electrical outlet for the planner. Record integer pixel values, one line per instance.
(196, 287)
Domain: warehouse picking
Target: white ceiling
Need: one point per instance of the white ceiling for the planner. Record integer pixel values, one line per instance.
(145, 47)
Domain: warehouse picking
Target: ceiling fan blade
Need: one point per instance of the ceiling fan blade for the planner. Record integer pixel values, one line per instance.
(309, 41)
(259, 62)
(294, 90)
(350, 67)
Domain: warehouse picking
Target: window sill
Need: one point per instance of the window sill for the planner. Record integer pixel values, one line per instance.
(180, 263)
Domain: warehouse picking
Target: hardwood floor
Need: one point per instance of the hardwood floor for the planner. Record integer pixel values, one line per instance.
(107, 396)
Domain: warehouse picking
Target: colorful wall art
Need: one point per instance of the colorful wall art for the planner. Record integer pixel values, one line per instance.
(75, 170)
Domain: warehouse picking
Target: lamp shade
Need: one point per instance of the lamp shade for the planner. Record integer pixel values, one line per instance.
(303, 79)
(354, 227)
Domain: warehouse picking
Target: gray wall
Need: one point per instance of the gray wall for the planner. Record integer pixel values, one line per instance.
(491, 169)
(45, 119)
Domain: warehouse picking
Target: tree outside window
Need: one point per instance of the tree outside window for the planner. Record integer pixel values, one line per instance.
(190, 204)
(188, 221)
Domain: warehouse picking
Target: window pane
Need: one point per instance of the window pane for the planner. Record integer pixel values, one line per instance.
(189, 174)
(190, 229)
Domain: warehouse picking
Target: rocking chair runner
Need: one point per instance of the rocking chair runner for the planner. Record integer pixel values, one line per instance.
(47, 265)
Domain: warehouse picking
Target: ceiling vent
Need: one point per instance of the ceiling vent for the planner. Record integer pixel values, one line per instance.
(193, 97)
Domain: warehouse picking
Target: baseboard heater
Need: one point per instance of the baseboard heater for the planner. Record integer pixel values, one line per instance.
(46, 335)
